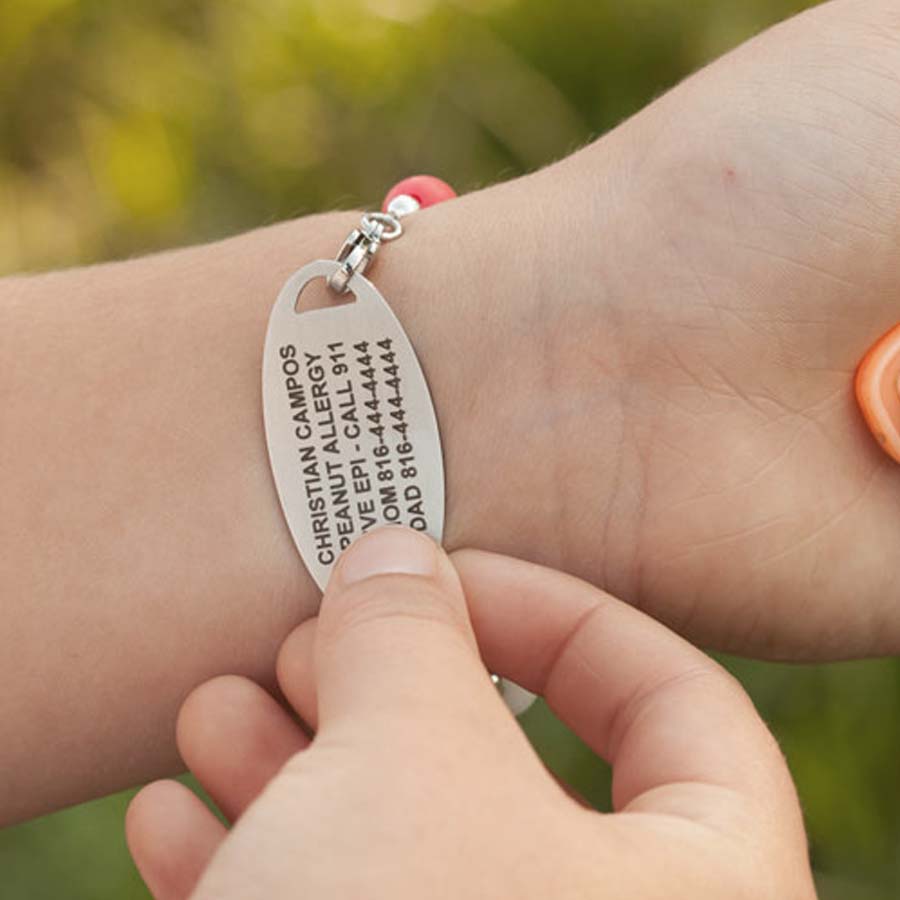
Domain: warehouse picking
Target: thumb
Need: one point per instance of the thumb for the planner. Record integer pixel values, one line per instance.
(394, 638)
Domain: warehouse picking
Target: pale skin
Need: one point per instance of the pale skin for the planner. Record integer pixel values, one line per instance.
(641, 359)
(420, 784)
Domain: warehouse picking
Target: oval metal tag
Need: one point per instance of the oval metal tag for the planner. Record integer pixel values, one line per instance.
(352, 435)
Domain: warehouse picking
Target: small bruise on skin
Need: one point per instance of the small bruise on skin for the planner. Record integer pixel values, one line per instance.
(878, 391)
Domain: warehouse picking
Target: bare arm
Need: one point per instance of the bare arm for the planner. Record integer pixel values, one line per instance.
(640, 358)
(143, 548)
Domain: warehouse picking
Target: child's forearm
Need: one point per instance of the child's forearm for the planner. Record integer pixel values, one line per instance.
(141, 544)
(143, 547)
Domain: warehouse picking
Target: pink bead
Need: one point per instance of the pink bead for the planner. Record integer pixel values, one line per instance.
(427, 189)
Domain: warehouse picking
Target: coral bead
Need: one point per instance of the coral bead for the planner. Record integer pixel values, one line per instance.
(426, 189)
(878, 391)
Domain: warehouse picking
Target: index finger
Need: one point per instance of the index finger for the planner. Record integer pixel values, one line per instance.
(670, 720)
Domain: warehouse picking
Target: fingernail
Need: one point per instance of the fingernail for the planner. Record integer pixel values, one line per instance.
(389, 550)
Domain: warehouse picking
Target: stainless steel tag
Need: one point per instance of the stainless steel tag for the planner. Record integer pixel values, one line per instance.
(351, 430)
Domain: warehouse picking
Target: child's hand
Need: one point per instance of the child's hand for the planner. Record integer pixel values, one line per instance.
(420, 784)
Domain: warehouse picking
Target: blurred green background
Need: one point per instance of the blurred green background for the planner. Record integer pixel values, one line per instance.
(127, 127)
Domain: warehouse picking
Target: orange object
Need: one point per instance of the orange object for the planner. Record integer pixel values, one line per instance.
(878, 391)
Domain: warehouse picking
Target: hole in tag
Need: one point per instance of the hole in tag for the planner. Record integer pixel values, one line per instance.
(317, 295)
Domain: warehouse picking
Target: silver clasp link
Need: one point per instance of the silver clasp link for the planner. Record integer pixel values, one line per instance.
(375, 229)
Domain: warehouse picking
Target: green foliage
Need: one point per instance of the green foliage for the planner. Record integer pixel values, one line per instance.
(127, 127)
(131, 126)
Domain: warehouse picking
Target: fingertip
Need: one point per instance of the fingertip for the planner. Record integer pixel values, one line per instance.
(393, 550)
(199, 720)
(234, 736)
(392, 571)
(171, 836)
(151, 809)
(142, 809)
(293, 652)
(295, 671)
(387, 550)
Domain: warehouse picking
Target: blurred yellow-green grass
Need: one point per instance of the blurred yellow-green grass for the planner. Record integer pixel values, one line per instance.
(125, 128)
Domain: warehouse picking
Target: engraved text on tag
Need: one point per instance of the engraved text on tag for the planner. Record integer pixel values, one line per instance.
(351, 430)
